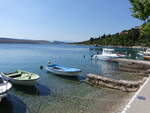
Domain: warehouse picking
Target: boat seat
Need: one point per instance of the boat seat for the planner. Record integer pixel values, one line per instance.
(14, 75)
(24, 77)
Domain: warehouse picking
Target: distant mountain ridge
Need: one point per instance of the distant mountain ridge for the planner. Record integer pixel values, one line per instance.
(22, 41)
(58, 42)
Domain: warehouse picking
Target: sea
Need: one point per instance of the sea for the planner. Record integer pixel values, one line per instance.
(60, 94)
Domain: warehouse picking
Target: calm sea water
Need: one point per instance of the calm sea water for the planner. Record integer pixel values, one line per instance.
(56, 94)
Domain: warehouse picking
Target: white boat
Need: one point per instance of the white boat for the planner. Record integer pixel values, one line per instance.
(144, 53)
(108, 54)
(5, 86)
(62, 70)
(20, 77)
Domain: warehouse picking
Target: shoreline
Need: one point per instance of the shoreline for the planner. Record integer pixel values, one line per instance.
(120, 106)
(129, 105)
(125, 105)
(134, 47)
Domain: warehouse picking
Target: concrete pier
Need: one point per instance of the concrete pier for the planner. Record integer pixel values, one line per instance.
(139, 67)
(140, 62)
(124, 85)
(140, 102)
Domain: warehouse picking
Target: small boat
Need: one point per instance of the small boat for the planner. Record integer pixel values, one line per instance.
(144, 53)
(20, 77)
(62, 70)
(108, 54)
(5, 86)
(146, 57)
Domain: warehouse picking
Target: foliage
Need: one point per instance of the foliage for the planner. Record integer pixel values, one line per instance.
(145, 28)
(140, 9)
(125, 38)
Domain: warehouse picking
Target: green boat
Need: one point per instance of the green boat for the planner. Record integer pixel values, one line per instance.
(20, 77)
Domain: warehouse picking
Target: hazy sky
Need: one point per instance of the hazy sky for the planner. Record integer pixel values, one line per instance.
(64, 20)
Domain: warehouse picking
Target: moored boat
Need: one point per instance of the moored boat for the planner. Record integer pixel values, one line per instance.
(20, 77)
(108, 54)
(5, 86)
(62, 70)
(144, 53)
(146, 57)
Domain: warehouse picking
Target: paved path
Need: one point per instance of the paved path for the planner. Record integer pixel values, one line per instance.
(140, 102)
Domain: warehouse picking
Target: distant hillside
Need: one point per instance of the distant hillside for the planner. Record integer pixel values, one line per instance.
(23, 41)
(58, 42)
(129, 37)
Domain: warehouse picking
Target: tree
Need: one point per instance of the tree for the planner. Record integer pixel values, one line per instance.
(140, 9)
(91, 39)
(103, 36)
(146, 28)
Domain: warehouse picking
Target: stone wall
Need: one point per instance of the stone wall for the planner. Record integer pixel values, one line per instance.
(123, 85)
(139, 67)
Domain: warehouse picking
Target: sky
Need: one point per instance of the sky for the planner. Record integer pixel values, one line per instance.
(64, 20)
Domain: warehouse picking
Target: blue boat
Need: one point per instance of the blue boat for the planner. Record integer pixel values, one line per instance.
(62, 70)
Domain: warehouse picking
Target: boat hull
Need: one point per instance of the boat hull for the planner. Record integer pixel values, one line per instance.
(63, 73)
(23, 82)
(105, 58)
(146, 57)
(4, 89)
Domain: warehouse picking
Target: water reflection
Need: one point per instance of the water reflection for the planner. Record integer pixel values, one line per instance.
(60, 87)
(12, 104)
(37, 89)
(104, 66)
(73, 78)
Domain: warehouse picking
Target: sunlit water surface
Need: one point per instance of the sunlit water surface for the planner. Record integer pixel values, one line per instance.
(56, 94)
